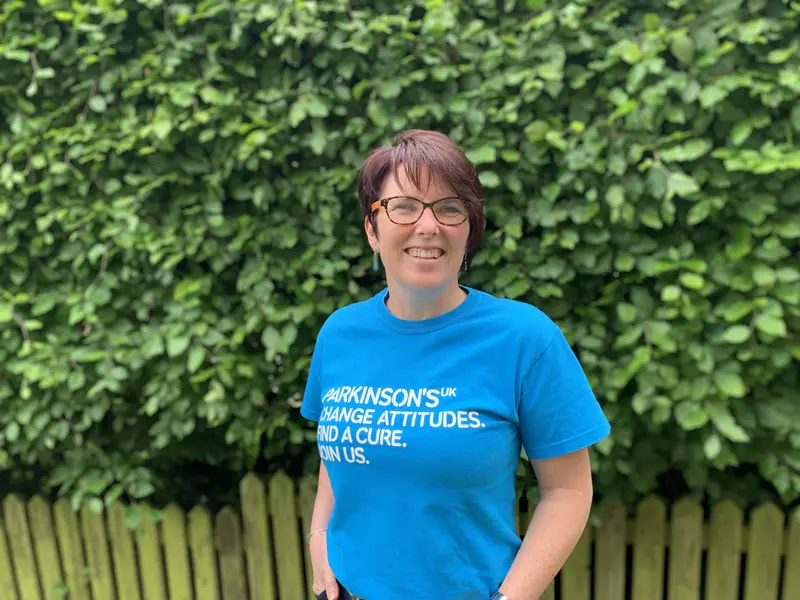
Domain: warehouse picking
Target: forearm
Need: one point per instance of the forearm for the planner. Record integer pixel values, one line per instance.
(554, 531)
(323, 504)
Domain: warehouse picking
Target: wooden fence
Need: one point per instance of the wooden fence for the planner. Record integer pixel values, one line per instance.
(259, 553)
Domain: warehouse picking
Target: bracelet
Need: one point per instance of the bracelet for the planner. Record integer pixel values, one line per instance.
(310, 533)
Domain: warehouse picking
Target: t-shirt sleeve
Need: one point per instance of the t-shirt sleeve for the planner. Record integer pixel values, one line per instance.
(558, 412)
(311, 407)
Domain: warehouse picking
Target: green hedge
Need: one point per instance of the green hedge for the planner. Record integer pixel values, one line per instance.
(178, 218)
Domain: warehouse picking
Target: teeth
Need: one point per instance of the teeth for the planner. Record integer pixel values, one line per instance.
(420, 253)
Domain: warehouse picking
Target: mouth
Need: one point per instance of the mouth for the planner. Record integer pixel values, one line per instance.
(425, 253)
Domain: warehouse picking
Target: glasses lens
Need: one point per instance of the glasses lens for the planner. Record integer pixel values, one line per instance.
(451, 211)
(404, 210)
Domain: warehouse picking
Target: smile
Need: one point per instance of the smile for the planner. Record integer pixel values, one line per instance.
(425, 253)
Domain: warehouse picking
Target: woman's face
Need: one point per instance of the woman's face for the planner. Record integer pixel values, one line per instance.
(425, 255)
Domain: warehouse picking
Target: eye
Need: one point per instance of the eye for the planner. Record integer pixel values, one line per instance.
(452, 208)
(403, 205)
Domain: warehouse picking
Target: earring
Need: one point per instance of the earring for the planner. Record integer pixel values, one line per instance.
(375, 261)
(465, 263)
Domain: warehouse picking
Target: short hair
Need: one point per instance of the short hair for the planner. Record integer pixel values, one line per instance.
(418, 150)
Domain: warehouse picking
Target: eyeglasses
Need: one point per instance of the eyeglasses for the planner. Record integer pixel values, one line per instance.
(404, 210)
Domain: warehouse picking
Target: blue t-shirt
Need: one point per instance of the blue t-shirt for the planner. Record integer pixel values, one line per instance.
(420, 428)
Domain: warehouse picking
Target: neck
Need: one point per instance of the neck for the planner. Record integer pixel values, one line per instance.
(416, 305)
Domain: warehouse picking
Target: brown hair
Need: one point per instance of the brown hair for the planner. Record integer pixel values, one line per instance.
(417, 150)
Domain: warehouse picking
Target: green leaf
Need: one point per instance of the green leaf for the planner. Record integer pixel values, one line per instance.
(6, 312)
(651, 21)
(377, 113)
(140, 489)
(712, 446)
(699, 212)
(690, 416)
(484, 154)
(680, 184)
(763, 275)
(95, 505)
(736, 334)
(712, 95)
(162, 128)
(12, 431)
(670, 293)
(772, 325)
(516, 289)
(682, 48)
(316, 106)
(153, 345)
(691, 150)
(615, 196)
(794, 117)
(740, 132)
(724, 422)
(729, 384)
(780, 55)
(489, 179)
(195, 359)
(626, 312)
(297, 113)
(632, 53)
(692, 281)
(177, 345)
(271, 339)
(98, 104)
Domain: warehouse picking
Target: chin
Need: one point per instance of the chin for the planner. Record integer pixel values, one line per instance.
(426, 281)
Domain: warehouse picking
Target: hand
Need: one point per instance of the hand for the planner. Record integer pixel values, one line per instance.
(324, 579)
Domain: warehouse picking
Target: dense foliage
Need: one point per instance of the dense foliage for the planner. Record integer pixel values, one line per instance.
(178, 218)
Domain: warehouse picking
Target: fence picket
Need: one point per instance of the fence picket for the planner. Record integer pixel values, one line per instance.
(791, 571)
(176, 554)
(257, 543)
(610, 549)
(550, 592)
(122, 553)
(230, 550)
(45, 548)
(308, 492)
(148, 546)
(685, 551)
(7, 583)
(291, 571)
(21, 546)
(70, 547)
(648, 549)
(724, 556)
(204, 556)
(763, 565)
(576, 576)
(101, 577)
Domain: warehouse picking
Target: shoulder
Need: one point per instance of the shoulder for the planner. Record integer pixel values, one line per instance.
(346, 317)
(520, 331)
(526, 321)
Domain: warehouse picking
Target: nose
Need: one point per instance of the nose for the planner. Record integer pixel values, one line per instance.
(427, 224)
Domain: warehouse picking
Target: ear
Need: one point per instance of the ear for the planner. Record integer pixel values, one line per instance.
(372, 234)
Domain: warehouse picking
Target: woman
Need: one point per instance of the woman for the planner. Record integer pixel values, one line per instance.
(425, 394)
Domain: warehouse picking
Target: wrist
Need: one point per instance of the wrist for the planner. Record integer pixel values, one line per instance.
(320, 532)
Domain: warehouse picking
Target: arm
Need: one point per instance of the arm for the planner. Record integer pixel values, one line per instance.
(323, 504)
(557, 524)
(324, 578)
